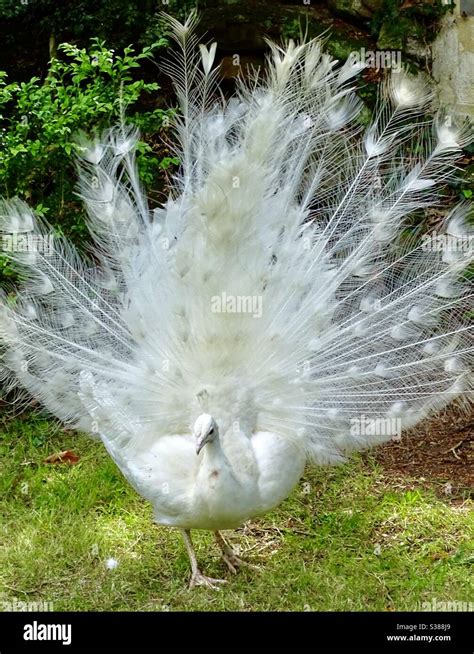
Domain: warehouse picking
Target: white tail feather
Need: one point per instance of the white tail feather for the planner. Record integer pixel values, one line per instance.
(274, 277)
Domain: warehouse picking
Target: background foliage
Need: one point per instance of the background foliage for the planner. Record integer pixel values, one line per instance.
(73, 66)
(83, 89)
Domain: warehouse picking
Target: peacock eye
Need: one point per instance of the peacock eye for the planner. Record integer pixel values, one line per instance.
(211, 431)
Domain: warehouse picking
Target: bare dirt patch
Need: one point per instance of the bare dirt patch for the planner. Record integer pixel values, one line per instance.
(438, 453)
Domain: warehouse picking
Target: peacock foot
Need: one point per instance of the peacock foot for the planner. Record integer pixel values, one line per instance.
(234, 562)
(230, 557)
(198, 579)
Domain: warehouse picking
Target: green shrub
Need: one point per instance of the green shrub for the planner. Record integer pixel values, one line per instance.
(85, 89)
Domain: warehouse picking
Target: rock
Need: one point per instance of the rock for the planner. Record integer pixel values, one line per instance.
(417, 49)
(453, 64)
(340, 45)
(351, 8)
(387, 40)
(372, 5)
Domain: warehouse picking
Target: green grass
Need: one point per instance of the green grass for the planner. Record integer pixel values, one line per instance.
(348, 538)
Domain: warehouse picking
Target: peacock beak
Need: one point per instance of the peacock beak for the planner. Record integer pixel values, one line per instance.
(201, 441)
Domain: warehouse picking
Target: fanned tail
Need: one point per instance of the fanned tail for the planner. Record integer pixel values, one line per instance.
(278, 278)
(362, 327)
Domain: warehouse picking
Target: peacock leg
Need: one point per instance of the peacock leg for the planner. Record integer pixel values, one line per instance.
(197, 578)
(230, 557)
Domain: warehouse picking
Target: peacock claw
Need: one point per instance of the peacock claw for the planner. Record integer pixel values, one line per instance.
(234, 562)
(198, 579)
(230, 557)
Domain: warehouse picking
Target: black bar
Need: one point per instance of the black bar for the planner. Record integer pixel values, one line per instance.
(137, 632)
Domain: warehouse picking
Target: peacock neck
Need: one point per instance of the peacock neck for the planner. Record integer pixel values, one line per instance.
(213, 455)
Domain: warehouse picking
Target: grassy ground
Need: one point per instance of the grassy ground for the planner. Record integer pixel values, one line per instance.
(349, 538)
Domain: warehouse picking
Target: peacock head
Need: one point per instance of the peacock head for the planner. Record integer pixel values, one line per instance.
(205, 431)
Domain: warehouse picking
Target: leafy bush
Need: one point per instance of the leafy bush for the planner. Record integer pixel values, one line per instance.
(85, 89)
